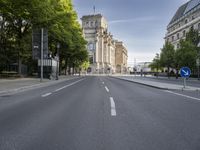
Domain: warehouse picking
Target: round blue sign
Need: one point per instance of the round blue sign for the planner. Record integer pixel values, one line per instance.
(185, 72)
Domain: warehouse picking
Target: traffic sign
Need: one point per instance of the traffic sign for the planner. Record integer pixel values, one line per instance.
(36, 44)
(185, 72)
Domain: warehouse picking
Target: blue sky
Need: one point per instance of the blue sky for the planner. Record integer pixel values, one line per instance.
(140, 24)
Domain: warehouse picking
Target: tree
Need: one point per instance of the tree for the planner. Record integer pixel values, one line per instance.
(186, 54)
(167, 57)
(58, 16)
(193, 36)
(156, 63)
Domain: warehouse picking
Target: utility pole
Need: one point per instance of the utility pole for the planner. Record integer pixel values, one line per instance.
(41, 65)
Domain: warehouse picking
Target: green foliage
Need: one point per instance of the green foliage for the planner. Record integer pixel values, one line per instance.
(167, 55)
(193, 37)
(186, 55)
(156, 65)
(58, 16)
(85, 65)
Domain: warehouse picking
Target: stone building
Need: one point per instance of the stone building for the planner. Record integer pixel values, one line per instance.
(186, 17)
(101, 45)
(121, 57)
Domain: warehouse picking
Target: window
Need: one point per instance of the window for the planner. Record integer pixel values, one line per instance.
(87, 24)
(186, 21)
(193, 17)
(178, 45)
(177, 35)
(91, 24)
(91, 46)
(172, 38)
(184, 33)
(199, 26)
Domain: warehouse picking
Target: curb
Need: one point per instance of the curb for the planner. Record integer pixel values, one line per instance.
(12, 91)
(140, 83)
(161, 88)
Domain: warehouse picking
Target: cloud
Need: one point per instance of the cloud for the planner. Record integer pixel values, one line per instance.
(139, 19)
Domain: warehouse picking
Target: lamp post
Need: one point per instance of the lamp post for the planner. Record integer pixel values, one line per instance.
(58, 55)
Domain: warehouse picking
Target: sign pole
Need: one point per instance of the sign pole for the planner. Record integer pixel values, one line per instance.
(184, 82)
(41, 64)
(185, 73)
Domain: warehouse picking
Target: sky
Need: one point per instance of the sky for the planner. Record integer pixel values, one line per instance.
(140, 24)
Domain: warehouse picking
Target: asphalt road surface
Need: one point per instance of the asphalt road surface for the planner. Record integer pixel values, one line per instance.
(99, 113)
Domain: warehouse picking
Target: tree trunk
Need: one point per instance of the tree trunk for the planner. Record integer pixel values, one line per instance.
(176, 73)
(168, 73)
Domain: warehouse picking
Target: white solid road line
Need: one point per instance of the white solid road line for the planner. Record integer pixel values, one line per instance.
(194, 98)
(106, 89)
(47, 94)
(68, 85)
(113, 109)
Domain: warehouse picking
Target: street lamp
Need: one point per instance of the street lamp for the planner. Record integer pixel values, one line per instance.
(57, 55)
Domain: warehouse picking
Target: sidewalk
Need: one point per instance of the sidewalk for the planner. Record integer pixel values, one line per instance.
(15, 85)
(158, 85)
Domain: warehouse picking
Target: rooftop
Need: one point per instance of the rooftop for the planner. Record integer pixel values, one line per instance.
(184, 9)
(89, 16)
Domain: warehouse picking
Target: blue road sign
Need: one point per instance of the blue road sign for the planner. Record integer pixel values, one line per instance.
(185, 72)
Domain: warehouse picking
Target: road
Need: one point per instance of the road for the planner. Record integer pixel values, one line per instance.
(99, 113)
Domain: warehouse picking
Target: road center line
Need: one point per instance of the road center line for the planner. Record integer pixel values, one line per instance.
(106, 89)
(68, 85)
(47, 94)
(194, 98)
(113, 109)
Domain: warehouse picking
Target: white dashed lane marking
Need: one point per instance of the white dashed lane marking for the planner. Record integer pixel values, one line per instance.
(113, 109)
(106, 88)
(47, 94)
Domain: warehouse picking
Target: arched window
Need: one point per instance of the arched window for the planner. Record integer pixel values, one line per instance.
(186, 21)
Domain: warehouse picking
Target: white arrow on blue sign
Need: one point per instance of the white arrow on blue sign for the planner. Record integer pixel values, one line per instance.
(185, 72)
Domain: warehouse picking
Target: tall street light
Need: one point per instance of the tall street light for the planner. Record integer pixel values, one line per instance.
(58, 55)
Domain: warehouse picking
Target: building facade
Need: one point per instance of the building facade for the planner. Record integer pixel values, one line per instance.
(121, 57)
(101, 45)
(186, 17)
